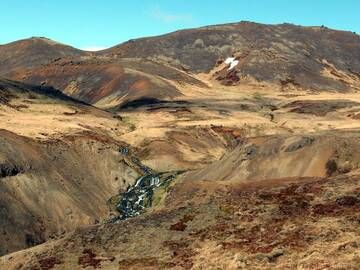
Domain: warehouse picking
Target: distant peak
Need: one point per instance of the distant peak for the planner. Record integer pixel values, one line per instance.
(35, 37)
(47, 40)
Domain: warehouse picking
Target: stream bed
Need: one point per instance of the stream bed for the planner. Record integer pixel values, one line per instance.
(139, 196)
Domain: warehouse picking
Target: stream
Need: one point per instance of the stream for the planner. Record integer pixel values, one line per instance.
(139, 196)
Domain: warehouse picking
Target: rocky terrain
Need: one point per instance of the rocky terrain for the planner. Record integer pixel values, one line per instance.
(223, 147)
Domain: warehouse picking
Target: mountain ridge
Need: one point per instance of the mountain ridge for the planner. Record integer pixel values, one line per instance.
(313, 58)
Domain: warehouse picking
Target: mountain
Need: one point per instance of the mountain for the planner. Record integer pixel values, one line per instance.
(285, 56)
(32, 52)
(312, 57)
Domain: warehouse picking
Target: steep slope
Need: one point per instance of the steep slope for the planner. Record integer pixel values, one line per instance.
(49, 188)
(60, 163)
(310, 57)
(32, 52)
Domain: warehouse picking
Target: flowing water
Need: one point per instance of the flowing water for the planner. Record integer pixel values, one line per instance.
(139, 196)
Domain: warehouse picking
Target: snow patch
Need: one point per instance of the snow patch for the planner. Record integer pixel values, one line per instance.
(232, 62)
(229, 60)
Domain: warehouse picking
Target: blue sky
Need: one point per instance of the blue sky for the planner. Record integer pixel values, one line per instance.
(104, 23)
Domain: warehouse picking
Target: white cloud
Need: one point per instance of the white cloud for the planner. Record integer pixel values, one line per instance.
(164, 16)
(93, 48)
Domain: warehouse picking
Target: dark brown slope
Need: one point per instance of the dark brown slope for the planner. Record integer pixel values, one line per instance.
(280, 53)
(32, 52)
(108, 83)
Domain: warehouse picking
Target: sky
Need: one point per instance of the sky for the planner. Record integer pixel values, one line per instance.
(99, 24)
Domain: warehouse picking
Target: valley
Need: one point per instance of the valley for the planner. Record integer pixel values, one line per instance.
(160, 153)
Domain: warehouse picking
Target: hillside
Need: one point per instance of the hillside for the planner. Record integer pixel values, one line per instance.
(32, 52)
(57, 155)
(282, 53)
(223, 147)
(279, 223)
(108, 83)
